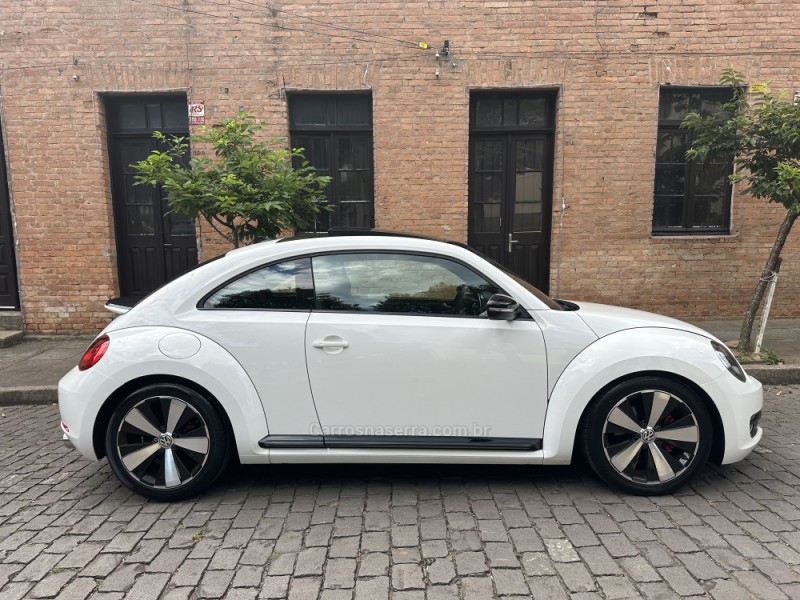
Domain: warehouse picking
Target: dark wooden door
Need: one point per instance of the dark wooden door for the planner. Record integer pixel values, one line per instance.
(154, 245)
(9, 296)
(510, 187)
(527, 231)
(335, 132)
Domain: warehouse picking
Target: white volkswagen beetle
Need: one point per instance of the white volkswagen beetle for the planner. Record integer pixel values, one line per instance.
(391, 348)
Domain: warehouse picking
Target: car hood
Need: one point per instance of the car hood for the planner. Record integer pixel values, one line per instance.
(604, 319)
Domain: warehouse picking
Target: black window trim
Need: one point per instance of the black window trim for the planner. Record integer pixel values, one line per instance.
(201, 303)
(550, 95)
(524, 315)
(113, 101)
(672, 126)
(331, 128)
(334, 132)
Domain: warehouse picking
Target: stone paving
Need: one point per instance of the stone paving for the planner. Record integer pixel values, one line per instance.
(69, 530)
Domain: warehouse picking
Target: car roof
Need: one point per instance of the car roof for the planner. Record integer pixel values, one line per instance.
(328, 240)
(358, 231)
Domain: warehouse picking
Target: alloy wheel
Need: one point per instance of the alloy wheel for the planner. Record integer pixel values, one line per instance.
(651, 437)
(163, 442)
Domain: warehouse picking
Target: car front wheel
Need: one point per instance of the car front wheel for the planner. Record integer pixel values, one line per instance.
(166, 442)
(647, 436)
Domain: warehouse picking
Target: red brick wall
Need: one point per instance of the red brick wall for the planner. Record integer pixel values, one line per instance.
(606, 58)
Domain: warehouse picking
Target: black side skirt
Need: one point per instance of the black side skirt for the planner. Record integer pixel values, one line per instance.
(401, 442)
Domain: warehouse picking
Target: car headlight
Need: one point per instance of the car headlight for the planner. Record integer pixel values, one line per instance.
(727, 358)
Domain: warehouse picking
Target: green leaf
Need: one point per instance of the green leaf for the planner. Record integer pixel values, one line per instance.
(249, 190)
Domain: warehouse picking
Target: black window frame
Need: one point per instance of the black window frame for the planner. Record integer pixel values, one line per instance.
(548, 96)
(309, 297)
(115, 102)
(395, 253)
(335, 130)
(690, 167)
(523, 314)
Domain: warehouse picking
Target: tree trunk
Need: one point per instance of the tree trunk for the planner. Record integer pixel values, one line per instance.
(745, 337)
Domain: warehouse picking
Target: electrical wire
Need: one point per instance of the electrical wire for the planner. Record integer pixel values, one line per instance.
(186, 9)
(477, 51)
(464, 56)
(465, 52)
(604, 52)
(118, 59)
(294, 15)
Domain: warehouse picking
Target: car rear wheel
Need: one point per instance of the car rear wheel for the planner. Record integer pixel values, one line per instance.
(647, 436)
(166, 442)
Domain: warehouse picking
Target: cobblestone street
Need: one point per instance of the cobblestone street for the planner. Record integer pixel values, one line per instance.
(68, 529)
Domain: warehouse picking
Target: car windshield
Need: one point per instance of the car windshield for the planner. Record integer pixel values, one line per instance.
(552, 304)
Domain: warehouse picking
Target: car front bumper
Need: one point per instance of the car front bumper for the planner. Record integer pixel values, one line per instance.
(738, 403)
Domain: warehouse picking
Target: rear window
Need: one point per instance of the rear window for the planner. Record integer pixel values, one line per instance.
(284, 286)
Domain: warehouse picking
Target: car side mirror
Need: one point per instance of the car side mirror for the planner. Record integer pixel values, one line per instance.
(502, 308)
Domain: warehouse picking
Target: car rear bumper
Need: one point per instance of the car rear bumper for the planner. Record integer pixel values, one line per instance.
(78, 404)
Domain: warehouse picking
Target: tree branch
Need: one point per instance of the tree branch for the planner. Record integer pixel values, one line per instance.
(215, 228)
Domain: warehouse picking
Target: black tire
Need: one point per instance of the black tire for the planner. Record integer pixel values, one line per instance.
(175, 464)
(664, 452)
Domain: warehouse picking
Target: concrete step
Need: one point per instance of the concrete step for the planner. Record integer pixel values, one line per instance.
(10, 320)
(9, 338)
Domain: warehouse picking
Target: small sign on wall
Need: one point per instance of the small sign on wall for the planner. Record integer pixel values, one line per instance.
(197, 112)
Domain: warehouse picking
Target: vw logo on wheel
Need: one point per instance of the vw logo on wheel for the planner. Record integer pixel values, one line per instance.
(648, 435)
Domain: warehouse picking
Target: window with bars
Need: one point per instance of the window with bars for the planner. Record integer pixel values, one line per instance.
(690, 197)
(335, 131)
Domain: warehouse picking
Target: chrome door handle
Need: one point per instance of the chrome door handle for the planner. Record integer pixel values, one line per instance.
(330, 344)
(511, 242)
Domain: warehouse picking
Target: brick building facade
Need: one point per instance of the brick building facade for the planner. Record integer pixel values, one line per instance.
(540, 123)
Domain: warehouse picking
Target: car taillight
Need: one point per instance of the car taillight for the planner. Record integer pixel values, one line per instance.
(94, 353)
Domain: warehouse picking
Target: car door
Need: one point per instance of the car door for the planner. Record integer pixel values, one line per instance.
(260, 318)
(399, 345)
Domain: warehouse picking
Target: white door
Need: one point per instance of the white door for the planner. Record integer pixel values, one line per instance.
(399, 345)
(260, 318)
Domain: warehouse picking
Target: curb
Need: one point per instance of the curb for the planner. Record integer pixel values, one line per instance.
(774, 374)
(29, 394)
(10, 338)
(48, 394)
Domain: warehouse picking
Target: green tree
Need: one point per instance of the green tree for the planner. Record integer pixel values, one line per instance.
(250, 190)
(762, 133)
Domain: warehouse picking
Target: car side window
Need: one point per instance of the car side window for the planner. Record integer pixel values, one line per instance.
(398, 283)
(282, 286)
